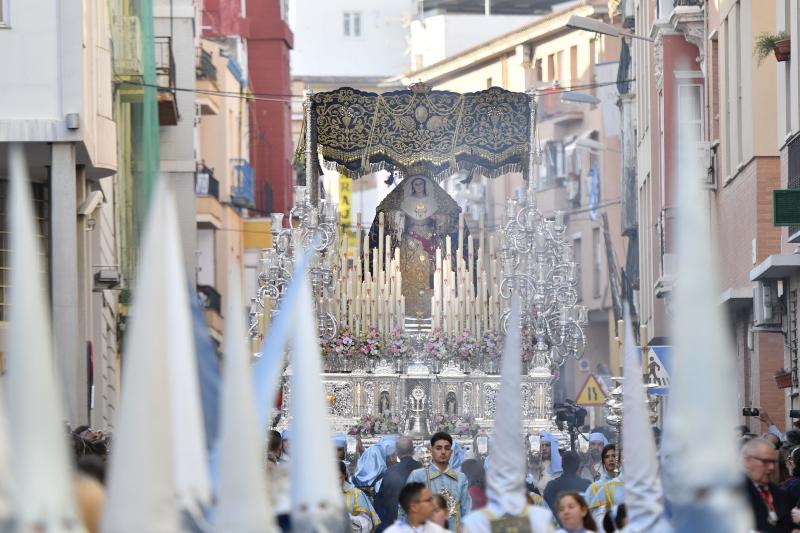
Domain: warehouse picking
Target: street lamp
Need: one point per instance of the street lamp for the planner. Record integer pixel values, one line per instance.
(597, 26)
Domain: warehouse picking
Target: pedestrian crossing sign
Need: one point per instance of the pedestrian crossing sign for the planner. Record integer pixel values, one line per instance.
(657, 369)
(591, 393)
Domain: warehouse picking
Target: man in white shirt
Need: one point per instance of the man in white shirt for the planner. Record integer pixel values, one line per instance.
(417, 502)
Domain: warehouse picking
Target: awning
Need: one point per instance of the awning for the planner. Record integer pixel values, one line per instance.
(737, 297)
(776, 266)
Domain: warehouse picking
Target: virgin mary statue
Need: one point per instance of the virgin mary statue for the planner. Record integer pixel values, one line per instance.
(418, 215)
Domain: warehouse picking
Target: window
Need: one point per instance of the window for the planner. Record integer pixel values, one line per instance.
(597, 250)
(573, 65)
(554, 161)
(489, 83)
(41, 212)
(793, 150)
(551, 67)
(5, 20)
(538, 70)
(351, 24)
(690, 112)
(578, 258)
(561, 71)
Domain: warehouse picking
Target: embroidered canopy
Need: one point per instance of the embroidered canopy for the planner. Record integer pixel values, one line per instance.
(421, 131)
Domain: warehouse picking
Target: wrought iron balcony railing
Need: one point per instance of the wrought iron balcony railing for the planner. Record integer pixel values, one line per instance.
(209, 298)
(168, 114)
(205, 184)
(204, 68)
(688, 3)
(243, 192)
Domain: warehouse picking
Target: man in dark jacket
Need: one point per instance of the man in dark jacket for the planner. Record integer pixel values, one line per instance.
(772, 507)
(568, 481)
(393, 481)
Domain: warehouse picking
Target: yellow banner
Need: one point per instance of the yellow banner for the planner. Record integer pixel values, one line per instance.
(346, 211)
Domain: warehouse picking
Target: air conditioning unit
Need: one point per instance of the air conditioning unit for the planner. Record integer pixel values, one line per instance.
(766, 309)
(107, 278)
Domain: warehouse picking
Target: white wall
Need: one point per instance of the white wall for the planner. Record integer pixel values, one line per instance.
(444, 35)
(322, 49)
(34, 85)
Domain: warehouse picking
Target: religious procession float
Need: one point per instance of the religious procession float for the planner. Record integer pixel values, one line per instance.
(412, 317)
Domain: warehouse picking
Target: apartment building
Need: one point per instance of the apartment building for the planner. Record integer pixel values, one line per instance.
(777, 276)
(58, 101)
(708, 87)
(224, 184)
(263, 29)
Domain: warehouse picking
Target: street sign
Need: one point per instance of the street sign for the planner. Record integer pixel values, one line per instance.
(591, 393)
(658, 368)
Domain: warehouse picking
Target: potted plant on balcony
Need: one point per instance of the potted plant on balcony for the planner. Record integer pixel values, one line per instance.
(783, 378)
(772, 42)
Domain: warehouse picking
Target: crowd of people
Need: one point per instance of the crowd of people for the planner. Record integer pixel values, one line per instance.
(771, 463)
(389, 489)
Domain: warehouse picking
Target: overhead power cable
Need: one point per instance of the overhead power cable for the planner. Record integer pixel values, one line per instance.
(273, 97)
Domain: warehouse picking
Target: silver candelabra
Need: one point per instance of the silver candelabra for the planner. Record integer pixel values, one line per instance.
(313, 228)
(537, 265)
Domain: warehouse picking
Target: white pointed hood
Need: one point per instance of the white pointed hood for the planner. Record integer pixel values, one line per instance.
(703, 481)
(242, 499)
(506, 476)
(41, 464)
(267, 370)
(142, 487)
(644, 496)
(190, 456)
(317, 504)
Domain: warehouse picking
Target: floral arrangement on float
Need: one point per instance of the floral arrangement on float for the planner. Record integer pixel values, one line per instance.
(371, 346)
(456, 425)
(491, 345)
(437, 345)
(380, 424)
(343, 345)
(465, 347)
(397, 344)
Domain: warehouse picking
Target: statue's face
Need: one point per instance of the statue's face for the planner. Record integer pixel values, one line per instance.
(418, 186)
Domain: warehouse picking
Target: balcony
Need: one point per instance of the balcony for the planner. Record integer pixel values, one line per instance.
(236, 70)
(127, 45)
(243, 193)
(126, 42)
(209, 298)
(688, 3)
(204, 66)
(165, 79)
(205, 184)
(552, 108)
(205, 72)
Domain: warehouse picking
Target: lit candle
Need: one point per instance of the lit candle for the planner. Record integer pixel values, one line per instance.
(460, 232)
(380, 243)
